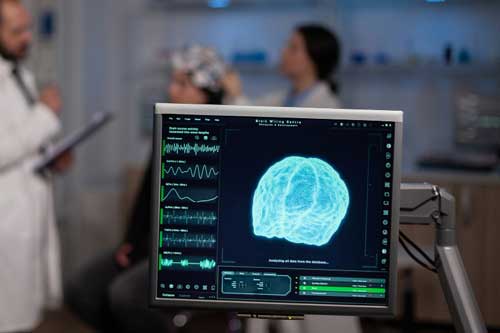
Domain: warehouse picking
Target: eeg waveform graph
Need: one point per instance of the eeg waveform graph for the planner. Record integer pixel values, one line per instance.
(195, 196)
(196, 172)
(191, 263)
(187, 240)
(190, 149)
(189, 217)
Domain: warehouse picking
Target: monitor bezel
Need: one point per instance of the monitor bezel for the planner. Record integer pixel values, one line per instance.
(288, 308)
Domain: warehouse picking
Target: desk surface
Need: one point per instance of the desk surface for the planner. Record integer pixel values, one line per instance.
(459, 177)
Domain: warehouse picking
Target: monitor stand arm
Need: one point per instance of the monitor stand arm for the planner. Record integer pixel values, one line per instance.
(428, 204)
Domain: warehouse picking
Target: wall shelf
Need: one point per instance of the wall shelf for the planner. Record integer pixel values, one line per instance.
(470, 70)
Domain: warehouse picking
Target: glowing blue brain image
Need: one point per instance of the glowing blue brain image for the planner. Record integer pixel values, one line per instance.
(302, 200)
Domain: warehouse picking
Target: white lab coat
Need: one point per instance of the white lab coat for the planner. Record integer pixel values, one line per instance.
(29, 246)
(320, 97)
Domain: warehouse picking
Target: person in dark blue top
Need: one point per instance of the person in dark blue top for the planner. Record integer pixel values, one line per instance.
(111, 294)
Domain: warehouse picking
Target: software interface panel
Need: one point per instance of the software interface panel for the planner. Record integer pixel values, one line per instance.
(275, 209)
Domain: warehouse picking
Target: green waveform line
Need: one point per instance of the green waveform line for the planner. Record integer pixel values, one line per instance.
(191, 218)
(196, 172)
(185, 263)
(191, 240)
(173, 190)
(188, 148)
(207, 264)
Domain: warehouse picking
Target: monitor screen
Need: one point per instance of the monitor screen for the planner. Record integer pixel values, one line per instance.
(275, 210)
(477, 120)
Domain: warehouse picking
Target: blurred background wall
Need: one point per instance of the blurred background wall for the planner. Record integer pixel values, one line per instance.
(112, 55)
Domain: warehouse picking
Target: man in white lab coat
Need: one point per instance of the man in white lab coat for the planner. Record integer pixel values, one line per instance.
(29, 249)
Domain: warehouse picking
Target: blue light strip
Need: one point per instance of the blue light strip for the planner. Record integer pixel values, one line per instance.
(217, 4)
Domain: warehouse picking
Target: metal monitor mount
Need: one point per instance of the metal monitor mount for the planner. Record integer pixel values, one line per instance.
(426, 204)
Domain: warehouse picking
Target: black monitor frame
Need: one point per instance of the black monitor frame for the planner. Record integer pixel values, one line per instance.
(286, 308)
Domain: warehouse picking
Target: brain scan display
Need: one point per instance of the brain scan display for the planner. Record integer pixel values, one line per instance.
(302, 200)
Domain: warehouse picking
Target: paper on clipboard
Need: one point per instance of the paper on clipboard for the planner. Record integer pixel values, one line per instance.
(97, 121)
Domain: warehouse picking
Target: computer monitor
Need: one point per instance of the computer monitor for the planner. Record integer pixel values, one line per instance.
(265, 210)
(477, 121)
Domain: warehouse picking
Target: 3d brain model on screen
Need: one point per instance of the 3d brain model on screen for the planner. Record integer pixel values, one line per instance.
(302, 200)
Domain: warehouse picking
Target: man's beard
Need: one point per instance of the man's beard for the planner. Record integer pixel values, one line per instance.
(12, 57)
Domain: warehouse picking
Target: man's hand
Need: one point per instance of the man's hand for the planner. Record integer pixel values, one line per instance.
(122, 255)
(63, 162)
(51, 97)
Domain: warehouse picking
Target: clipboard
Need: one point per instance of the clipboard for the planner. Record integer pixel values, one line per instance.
(97, 121)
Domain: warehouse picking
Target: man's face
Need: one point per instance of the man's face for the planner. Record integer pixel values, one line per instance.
(15, 31)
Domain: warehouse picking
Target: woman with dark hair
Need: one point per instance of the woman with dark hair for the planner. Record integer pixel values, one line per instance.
(309, 61)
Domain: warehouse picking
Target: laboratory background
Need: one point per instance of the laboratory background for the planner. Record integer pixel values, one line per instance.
(436, 60)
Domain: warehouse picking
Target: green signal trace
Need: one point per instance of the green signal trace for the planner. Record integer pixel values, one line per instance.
(189, 148)
(177, 196)
(197, 171)
(188, 263)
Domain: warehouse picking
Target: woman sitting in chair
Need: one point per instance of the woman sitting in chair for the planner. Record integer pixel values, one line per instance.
(111, 294)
